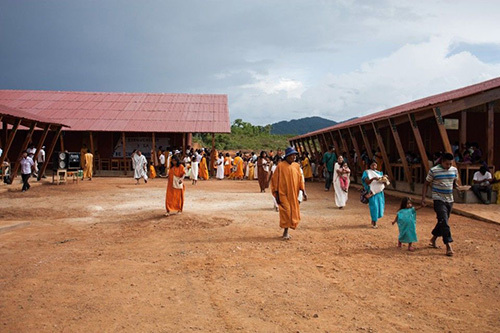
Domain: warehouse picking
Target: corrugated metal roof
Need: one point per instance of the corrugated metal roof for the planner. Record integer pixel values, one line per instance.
(124, 112)
(16, 113)
(423, 104)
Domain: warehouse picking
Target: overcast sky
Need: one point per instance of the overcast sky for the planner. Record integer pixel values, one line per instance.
(276, 60)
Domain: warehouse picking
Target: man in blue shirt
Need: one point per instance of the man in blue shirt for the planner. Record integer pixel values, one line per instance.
(329, 159)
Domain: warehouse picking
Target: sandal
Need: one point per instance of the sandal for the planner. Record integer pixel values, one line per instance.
(450, 253)
(412, 248)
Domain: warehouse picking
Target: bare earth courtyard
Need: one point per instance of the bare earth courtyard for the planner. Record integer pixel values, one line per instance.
(101, 257)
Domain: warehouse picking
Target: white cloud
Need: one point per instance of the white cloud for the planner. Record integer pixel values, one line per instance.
(411, 72)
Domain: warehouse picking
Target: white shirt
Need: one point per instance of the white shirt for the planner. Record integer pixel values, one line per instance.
(26, 165)
(1, 151)
(162, 159)
(478, 176)
(41, 156)
(31, 150)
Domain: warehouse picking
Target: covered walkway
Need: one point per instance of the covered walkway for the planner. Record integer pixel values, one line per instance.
(404, 138)
(19, 126)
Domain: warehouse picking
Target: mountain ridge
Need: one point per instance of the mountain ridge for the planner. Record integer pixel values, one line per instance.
(301, 126)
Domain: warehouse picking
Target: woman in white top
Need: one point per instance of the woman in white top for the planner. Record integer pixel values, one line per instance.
(220, 167)
(340, 195)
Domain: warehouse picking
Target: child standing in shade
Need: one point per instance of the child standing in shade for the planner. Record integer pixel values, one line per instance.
(407, 223)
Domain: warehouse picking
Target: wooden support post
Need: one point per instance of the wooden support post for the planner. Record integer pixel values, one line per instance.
(183, 145)
(92, 150)
(490, 133)
(5, 133)
(124, 154)
(50, 151)
(381, 146)
(9, 141)
(154, 155)
(39, 147)
(61, 138)
(314, 145)
(368, 147)
(302, 149)
(91, 137)
(444, 135)
(463, 130)
(420, 143)
(356, 149)
(344, 144)
(309, 146)
(327, 144)
(27, 140)
(335, 144)
(442, 130)
(322, 144)
(401, 152)
(40, 143)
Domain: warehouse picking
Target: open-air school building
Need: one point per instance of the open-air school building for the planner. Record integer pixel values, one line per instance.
(112, 125)
(421, 127)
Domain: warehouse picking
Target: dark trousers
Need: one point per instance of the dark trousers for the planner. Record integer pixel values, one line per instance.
(328, 179)
(442, 228)
(26, 185)
(477, 189)
(162, 169)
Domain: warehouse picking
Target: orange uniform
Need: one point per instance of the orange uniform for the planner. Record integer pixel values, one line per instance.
(239, 174)
(203, 170)
(287, 181)
(174, 200)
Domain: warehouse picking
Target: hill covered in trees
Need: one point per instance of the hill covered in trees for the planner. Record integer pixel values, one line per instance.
(301, 126)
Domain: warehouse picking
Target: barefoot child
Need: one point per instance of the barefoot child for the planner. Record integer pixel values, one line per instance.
(407, 223)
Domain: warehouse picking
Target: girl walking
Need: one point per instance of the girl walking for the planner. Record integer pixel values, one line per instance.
(407, 223)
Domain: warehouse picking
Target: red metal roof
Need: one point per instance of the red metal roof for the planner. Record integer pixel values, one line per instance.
(16, 113)
(424, 103)
(125, 112)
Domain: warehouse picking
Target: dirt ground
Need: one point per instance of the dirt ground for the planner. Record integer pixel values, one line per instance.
(100, 257)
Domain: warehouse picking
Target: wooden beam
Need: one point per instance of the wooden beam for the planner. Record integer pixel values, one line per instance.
(344, 144)
(401, 151)
(154, 156)
(366, 142)
(322, 144)
(61, 138)
(42, 140)
(309, 146)
(335, 144)
(442, 130)
(91, 137)
(444, 135)
(39, 147)
(9, 141)
(27, 140)
(463, 130)
(92, 150)
(326, 141)
(356, 148)
(490, 133)
(420, 143)
(314, 145)
(50, 151)
(183, 145)
(470, 102)
(381, 146)
(124, 152)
